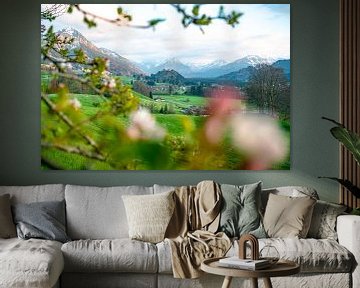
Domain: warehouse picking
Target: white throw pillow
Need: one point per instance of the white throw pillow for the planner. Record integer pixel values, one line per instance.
(149, 215)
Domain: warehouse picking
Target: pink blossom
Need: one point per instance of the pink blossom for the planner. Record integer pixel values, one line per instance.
(260, 138)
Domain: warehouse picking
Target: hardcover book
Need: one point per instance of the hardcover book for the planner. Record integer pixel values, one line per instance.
(236, 262)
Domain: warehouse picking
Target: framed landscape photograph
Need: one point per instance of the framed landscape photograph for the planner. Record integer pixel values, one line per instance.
(165, 87)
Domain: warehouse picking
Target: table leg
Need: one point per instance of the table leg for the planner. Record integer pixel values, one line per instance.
(254, 282)
(267, 283)
(227, 282)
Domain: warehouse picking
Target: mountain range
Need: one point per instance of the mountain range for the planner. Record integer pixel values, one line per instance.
(122, 66)
(211, 70)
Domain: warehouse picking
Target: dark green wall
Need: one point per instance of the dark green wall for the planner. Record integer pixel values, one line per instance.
(314, 55)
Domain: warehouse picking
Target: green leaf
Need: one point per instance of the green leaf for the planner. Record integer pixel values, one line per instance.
(89, 22)
(154, 22)
(349, 139)
(347, 184)
(119, 10)
(195, 10)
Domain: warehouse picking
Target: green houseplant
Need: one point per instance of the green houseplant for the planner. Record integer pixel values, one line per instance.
(351, 141)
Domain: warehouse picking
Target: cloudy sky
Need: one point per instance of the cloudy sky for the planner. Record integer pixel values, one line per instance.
(264, 30)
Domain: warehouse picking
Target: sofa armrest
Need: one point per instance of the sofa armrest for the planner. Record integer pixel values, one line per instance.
(348, 230)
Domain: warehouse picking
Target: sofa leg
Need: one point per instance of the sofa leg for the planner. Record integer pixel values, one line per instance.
(267, 282)
(227, 282)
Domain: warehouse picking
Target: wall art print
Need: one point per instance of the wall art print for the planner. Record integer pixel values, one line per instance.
(165, 86)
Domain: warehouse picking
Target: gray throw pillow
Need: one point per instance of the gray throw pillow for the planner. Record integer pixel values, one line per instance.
(7, 226)
(43, 220)
(323, 222)
(240, 213)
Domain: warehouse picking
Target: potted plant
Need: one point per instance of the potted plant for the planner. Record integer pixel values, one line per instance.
(351, 141)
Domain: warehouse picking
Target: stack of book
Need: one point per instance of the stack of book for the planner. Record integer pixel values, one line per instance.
(248, 264)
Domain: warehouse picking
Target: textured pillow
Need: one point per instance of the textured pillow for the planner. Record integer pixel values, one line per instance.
(288, 217)
(323, 222)
(7, 227)
(43, 220)
(149, 215)
(240, 210)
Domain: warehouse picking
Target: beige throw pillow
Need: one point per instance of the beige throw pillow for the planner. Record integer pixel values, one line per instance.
(149, 215)
(288, 217)
(7, 226)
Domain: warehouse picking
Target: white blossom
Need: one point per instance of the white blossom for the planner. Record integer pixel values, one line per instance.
(75, 103)
(143, 126)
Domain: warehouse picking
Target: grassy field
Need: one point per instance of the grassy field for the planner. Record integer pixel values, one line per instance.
(173, 123)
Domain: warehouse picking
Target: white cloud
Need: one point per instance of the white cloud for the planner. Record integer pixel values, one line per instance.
(264, 30)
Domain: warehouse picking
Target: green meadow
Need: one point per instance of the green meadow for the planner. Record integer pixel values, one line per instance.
(167, 109)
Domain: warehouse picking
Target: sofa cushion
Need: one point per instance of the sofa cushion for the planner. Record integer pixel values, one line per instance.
(291, 191)
(36, 193)
(43, 220)
(117, 255)
(323, 222)
(30, 263)
(287, 216)
(313, 255)
(149, 215)
(163, 188)
(240, 210)
(7, 226)
(98, 213)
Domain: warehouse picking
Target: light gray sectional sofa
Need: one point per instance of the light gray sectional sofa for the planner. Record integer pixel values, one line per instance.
(101, 254)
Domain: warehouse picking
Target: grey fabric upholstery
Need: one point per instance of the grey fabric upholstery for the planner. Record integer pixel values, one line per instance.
(323, 255)
(98, 213)
(36, 193)
(329, 280)
(118, 255)
(313, 255)
(163, 188)
(30, 263)
(108, 280)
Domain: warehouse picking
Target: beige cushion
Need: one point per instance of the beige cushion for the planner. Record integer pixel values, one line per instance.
(116, 255)
(7, 226)
(30, 263)
(293, 191)
(149, 215)
(287, 217)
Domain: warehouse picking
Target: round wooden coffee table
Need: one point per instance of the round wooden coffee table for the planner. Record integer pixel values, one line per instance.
(281, 268)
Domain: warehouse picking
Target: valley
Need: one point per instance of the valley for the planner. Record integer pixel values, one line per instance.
(177, 94)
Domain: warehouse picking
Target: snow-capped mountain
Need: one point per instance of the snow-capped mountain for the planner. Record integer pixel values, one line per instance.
(214, 64)
(173, 64)
(214, 69)
(122, 66)
(236, 65)
(118, 64)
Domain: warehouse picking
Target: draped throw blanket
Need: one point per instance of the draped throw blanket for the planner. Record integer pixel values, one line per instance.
(191, 231)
